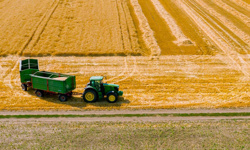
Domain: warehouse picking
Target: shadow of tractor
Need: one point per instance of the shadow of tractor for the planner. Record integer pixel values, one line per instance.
(78, 102)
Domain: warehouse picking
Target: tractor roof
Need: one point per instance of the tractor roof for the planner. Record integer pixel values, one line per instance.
(96, 78)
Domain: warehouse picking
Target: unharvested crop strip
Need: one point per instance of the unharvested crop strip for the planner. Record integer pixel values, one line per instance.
(35, 36)
(176, 31)
(211, 32)
(233, 11)
(148, 34)
(245, 37)
(133, 37)
(125, 26)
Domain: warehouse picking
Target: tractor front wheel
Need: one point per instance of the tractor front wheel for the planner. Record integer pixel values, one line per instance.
(63, 98)
(90, 96)
(24, 87)
(39, 93)
(112, 97)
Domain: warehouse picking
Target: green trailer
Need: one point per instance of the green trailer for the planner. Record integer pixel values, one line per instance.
(45, 82)
(63, 85)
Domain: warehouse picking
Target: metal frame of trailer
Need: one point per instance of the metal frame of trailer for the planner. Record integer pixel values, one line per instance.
(45, 82)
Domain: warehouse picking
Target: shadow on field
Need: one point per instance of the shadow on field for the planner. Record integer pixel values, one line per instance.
(78, 102)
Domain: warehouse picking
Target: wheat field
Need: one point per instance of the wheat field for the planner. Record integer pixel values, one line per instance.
(162, 53)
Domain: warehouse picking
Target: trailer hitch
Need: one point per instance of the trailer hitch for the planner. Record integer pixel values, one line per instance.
(76, 93)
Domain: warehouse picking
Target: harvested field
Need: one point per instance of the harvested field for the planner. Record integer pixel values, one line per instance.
(200, 50)
(170, 82)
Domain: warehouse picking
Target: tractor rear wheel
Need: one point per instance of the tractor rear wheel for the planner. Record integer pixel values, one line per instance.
(39, 93)
(90, 96)
(63, 98)
(24, 87)
(112, 98)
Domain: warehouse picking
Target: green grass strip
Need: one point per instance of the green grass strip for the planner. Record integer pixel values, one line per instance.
(129, 115)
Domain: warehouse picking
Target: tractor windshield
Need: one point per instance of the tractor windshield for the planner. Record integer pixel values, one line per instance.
(98, 84)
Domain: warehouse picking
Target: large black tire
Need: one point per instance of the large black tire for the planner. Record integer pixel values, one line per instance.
(24, 87)
(63, 98)
(112, 97)
(39, 93)
(90, 96)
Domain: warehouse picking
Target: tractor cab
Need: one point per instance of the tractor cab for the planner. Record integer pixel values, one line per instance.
(96, 89)
(97, 82)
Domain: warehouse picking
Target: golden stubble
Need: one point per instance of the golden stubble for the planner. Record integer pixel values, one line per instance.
(170, 82)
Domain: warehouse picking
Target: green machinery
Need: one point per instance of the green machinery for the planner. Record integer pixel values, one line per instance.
(96, 89)
(63, 85)
(45, 82)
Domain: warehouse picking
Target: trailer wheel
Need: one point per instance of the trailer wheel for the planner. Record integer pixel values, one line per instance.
(112, 98)
(39, 93)
(63, 98)
(90, 96)
(24, 87)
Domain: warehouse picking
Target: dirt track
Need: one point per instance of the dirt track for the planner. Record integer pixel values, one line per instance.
(123, 119)
(126, 119)
(114, 112)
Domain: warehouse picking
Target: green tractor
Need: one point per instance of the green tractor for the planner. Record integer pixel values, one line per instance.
(96, 89)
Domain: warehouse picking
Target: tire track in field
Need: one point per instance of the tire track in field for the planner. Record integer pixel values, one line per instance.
(233, 11)
(120, 25)
(7, 79)
(176, 31)
(147, 32)
(241, 34)
(131, 74)
(122, 73)
(217, 38)
(39, 29)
